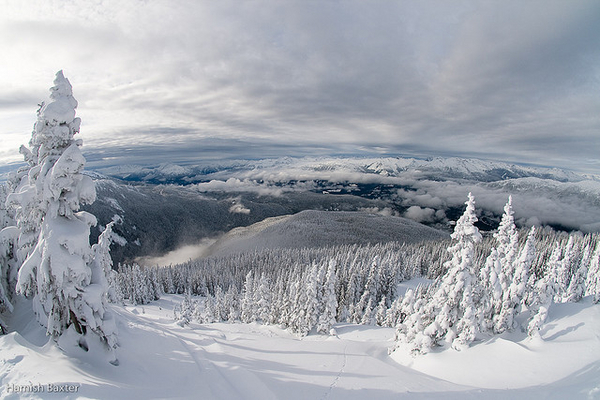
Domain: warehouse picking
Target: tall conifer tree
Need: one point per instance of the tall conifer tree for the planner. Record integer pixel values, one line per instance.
(67, 283)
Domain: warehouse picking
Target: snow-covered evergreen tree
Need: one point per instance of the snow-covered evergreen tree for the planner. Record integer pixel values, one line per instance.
(373, 286)
(9, 235)
(392, 314)
(381, 312)
(513, 299)
(298, 321)
(368, 317)
(593, 276)
(283, 303)
(457, 318)
(231, 305)
(553, 272)
(220, 310)
(419, 327)
(209, 313)
(102, 261)
(490, 291)
(185, 311)
(359, 308)
(8, 271)
(313, 298)
(6, 213)
(563, 272)
(544, 293)
(248, 313)
(576, 288)
(67, 283)
(328, 318)
(263, 300)
(23, 202)
(540, 305)
(507, 238)
(136, 284)
(407, 305)
(450, 314)
(115, 293)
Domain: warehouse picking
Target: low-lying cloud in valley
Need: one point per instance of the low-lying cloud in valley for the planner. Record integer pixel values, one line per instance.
(422, 190)
(559, 198)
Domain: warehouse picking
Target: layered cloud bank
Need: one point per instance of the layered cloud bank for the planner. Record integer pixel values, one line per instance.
(212, 80)
(429, 191)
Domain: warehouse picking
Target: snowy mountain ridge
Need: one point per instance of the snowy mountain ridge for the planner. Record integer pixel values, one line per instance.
(312, 229)
(439, 167)
(204, 201)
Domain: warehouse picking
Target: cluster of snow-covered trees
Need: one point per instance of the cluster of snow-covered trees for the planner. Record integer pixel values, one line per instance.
(510, 289)
(479, 286)
(282, 281)
(45, 253)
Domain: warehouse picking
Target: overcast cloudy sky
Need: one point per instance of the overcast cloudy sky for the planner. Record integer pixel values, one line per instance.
(511, 80)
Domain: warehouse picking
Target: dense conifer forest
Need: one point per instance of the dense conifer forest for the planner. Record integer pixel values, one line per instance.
(312, 288)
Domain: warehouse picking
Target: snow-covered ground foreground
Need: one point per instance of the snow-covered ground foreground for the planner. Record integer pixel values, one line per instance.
(160, 359)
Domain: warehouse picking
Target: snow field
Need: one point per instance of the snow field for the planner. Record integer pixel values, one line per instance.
(160, 359)
(569, 344)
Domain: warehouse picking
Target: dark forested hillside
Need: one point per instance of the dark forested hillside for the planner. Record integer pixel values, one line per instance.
(159, 218)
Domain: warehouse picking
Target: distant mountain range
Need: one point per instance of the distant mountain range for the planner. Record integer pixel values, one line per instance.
(167, 206)
(440, 168)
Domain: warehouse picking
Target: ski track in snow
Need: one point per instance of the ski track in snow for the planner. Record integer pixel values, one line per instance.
(338, 376)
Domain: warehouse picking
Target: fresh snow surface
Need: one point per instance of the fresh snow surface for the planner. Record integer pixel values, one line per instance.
(160, 359)
(566, 355)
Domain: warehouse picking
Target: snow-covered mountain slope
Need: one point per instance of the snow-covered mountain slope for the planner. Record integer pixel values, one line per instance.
(157, 219)
(323, 228)
(160, 359)
(193, 203)
(437, 186)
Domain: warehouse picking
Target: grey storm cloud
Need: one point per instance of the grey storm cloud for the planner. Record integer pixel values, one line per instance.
(511, 80)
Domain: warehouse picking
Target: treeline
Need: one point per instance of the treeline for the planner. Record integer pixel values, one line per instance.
(388, 263)
(487, 281)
